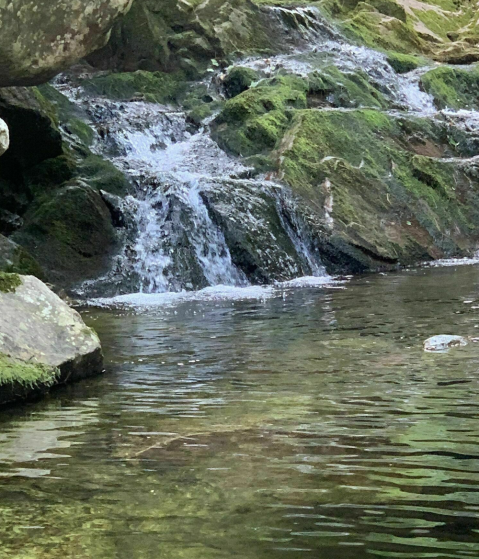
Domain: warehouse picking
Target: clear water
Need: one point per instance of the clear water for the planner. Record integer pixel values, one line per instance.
(305, 424)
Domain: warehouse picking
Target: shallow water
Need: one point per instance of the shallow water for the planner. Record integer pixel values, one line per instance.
(305, 424)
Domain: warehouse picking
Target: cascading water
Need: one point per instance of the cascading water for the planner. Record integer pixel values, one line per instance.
(318, 45)
(177, 245)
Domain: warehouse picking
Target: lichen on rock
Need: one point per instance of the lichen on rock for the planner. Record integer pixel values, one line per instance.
(40, 40)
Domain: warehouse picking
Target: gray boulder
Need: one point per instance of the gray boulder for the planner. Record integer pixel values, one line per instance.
(40, 39)
(43, 342)
(4, 137)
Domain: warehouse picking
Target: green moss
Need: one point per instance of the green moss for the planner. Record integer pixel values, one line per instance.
(154, 87)
(403, 63)
(103, 175)
(386, 198)
(255, 120)
(374, 30)
(70, 231)
(453, 88)
(49, 174)
(28, 375)
(9, 282)
(24, 264)
(46, 106)
(200, 101)
(341, 89)
(69, 115)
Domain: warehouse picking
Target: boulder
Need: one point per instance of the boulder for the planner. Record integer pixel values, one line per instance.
(4, 137)
(40, 39)
(43, 342)
(171, 35)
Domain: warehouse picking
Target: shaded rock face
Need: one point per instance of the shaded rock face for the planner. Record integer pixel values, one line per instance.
(38, 40)
(4, 137)
(14, 258)
(43, 342)
(50, 183)
(171, 35)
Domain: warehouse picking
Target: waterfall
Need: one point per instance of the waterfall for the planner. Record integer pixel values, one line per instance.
(177, 245)
(190, 195)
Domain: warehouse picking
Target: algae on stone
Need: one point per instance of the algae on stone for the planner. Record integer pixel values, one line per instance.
(26, 375)
(453, 88)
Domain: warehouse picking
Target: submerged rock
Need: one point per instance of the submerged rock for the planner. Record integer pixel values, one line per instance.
(39, 39)
(43, 342)
(4, 137)
(443, 343)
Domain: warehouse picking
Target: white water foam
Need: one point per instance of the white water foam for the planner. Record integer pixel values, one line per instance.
(216, 293)
(447, 262)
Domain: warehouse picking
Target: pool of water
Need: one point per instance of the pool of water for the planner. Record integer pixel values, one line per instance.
(309, 423)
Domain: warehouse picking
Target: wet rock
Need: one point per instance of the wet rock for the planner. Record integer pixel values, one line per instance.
(43, 342)
(4, 137)
(71, 234)
(255, 231)
(13, 258)
(453, 88)
(38, 40)
(70, 231)
(443, 343)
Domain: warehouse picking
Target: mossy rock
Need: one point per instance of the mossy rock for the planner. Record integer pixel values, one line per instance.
(239, 79)
(69, 115)
(43, 342)
(101, 174)
(330, 86)
(404, 63)
(50, 173)
(15, 259)
(254, 121)
(185, 36)
(71, 234)
(155, 87)
(453, 88)
(392, 204)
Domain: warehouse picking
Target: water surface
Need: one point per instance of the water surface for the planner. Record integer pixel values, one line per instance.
(305, 423)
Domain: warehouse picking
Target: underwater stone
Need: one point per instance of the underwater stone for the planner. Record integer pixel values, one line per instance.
(43, 342)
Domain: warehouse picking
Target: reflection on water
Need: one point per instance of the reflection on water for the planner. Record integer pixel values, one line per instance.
(310, 424)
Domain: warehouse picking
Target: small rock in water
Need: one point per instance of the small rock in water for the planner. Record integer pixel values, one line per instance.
(444, 343)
